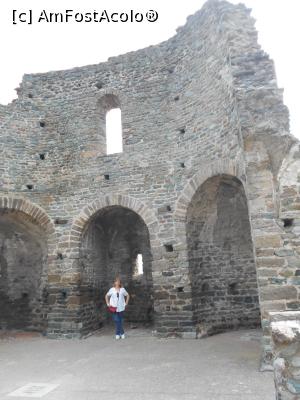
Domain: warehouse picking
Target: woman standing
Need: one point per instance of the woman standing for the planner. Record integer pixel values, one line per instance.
(117, 298)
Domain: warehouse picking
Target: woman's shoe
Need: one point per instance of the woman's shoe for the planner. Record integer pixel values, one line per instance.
(117, 337)
(123, 336)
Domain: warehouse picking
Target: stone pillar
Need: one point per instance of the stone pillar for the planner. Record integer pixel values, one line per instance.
(172, 293)
(265, 235)
(285, 329)
(64, 300)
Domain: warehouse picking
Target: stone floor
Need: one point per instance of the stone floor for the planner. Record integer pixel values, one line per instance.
(141, 367)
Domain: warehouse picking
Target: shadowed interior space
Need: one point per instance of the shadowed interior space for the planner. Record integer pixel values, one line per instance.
(221, 260)
(116, 243)
(23, 255)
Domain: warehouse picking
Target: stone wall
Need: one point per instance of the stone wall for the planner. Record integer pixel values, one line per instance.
(201, 105)
(109, 248)
(289, 212)
(222, 267)
(23, 274)
(285, 327)
(279, 259)
(264, 125)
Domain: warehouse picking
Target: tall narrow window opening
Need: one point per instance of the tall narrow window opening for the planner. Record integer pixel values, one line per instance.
(139, 268)
(114, 131)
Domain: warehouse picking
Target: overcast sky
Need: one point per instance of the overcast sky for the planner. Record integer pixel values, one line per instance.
(41, 47)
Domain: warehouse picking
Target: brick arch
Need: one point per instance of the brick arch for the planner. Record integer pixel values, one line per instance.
(219, 167)
(106, 92)
(81, 221)
(32, 210)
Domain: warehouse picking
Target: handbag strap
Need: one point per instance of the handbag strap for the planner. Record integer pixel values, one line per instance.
(118, 296)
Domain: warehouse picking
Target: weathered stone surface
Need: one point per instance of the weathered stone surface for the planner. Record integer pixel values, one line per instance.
(54, 278)
(74, 300)
(207, 187)
(23, 252)
(223, 275)
(270, 262)
(284, 252)
(270, 306)
(268, 241)
(285, 330)
(278, 293)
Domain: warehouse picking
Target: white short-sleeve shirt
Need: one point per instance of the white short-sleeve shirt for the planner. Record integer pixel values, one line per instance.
(115, 300)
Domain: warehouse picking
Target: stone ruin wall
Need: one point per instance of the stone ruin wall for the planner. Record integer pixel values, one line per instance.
(223, 273)
(285, 327)
(203, 104)
(22, 289)
(109, 249)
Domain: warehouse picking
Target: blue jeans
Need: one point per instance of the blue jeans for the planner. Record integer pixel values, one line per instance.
(118, 320)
